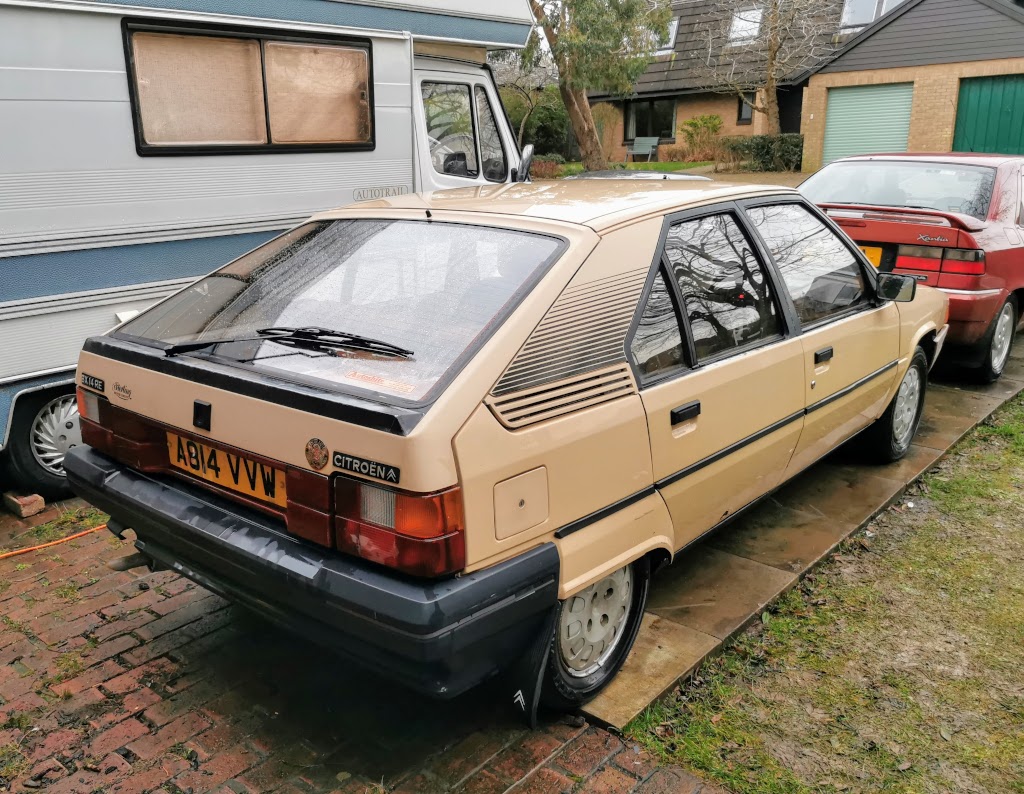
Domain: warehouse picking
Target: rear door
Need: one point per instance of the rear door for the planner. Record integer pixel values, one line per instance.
(850, 342)
(721, 376)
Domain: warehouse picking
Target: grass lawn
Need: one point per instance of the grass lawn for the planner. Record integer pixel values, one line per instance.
(576, 168)
(895, 667)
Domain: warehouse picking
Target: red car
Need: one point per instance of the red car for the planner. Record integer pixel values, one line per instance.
(953, 221)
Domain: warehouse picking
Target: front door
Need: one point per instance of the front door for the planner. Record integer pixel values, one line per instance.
(721, 378)
(850, 341)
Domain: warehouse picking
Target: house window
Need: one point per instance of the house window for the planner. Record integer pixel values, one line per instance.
(650, 118)
(745, 115)
(746, 25)
(241, 93)
(859, 13)
(668, 44)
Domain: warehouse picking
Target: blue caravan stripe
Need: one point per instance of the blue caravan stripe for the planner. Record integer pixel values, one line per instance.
(330, 12)
(36, 275)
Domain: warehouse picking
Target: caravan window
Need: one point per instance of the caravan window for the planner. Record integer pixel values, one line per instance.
(235, 92)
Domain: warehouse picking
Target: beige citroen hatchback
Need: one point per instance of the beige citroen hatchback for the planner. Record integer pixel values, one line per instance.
(437, 431)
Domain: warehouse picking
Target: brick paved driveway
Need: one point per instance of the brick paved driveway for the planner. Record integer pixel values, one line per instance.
(126, 683)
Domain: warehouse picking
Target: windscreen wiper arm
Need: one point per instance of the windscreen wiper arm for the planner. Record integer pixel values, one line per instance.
(310, 338)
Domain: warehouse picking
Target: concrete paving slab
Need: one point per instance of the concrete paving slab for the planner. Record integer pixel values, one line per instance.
(843, 492)
(664, 652)
(715, 592)
(950, 414)
(782, 537)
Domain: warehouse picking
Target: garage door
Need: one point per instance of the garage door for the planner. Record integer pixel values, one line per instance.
(867, 118)
(990, 115)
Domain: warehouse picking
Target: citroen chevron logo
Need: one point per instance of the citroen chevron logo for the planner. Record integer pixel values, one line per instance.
(519, 700)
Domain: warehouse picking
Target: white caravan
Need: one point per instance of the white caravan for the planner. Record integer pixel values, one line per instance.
(143, 145)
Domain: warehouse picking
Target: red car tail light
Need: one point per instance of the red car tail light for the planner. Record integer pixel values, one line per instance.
(308, 514)
(918, 257)
(968, 261)
(420, 534)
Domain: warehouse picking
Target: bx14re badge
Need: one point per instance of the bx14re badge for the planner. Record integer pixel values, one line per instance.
(370, 468)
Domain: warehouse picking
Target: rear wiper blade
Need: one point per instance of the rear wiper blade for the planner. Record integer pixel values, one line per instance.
(311, 338)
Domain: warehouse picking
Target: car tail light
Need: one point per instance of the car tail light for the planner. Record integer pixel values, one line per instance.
(968, 261)
(121, 434)
(918, 257)
(308, 514)
(88, 404)
(420, 534)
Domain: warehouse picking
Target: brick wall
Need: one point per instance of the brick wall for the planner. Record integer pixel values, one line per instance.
(687, 107)
(932, 116)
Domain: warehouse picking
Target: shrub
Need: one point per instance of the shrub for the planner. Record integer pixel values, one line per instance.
(549, 158)
(544, 169)
(701, 134)
(673, 153)
(767, 152)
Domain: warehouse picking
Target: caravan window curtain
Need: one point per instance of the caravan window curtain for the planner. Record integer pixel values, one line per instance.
(245, 91)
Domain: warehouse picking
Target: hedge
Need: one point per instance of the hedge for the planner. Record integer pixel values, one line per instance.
(768, 152)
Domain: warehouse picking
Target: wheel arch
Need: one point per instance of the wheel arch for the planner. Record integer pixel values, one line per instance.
(11, 393)
(642, 529)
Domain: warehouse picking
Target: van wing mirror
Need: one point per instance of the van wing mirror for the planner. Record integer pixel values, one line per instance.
(895, 287)
(456, 164)
(525, 161)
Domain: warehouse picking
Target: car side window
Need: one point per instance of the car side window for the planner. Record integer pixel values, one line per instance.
(492, 153)
(822, 275)
(657, 345)
(727, 297)
(450, 130)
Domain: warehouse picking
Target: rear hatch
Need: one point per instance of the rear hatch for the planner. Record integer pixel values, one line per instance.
(291, 381)
(912, 215)
(937, 248)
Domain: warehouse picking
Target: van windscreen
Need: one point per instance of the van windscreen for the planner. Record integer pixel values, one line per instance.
(435, 289)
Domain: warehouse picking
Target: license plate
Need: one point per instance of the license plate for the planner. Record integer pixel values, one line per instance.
(234, 472)
(873, 253)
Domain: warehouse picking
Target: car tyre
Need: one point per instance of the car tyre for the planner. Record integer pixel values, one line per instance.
(889, 438)
(998, 343)
(573, 675)
(40, 435)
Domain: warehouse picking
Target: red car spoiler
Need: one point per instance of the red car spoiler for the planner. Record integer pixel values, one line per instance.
(871, 212)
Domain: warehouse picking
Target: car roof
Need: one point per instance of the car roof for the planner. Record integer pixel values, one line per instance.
(971, 158)
(597, 203)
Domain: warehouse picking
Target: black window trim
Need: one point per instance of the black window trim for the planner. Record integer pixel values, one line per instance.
(628, 104)
(497, 129)
(130, 26)
(351, 391)
(470, 87)
(867, 269)
(790, 325)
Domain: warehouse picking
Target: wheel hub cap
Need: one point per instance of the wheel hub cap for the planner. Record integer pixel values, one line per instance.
(55, 431)
(1001, 338)
(906, 407)
(592, 621)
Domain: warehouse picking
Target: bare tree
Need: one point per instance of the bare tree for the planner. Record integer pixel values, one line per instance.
(747, 48)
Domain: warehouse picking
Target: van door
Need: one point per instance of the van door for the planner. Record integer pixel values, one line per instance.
(720, 374)
(850, 342)
(464, 136)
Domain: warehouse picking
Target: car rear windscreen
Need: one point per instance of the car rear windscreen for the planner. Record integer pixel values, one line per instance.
(965, 189)
(435, 289)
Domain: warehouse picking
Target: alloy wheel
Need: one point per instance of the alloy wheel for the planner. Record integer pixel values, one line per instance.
(1002, 336)
(55, 430)
(592, 622)
(905, 412)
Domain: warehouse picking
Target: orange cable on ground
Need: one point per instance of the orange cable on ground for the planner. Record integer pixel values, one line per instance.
(16, 552)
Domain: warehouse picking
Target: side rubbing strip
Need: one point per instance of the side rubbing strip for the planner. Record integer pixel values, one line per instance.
(851, 388)
(700, 464)
(604, 512)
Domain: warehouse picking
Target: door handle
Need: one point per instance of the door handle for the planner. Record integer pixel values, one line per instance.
(823, 355)
(684, 413)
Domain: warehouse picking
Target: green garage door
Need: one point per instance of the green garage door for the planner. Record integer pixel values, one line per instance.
(990, 115)
(867, 118)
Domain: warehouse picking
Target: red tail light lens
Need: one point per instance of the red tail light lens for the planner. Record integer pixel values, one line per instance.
(420, 534)
(969, 261)
(918, 257)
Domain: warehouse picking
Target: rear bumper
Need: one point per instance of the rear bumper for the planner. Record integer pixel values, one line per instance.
(440, 637)
(971, 315)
